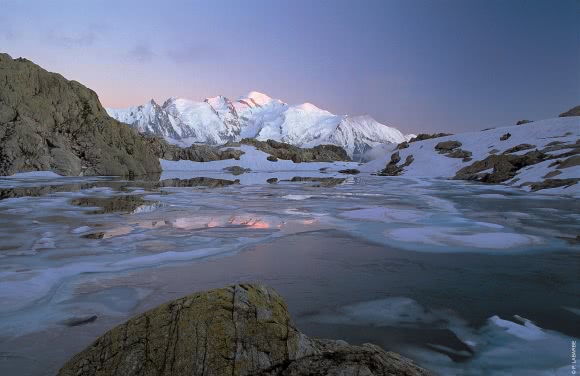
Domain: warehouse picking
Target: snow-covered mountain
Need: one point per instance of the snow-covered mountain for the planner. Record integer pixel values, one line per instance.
(218, 120)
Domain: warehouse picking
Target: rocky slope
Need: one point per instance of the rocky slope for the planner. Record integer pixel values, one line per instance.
(238, 330)
(50, 123)
(574, 111)
(278, 150)
(219, 120)
(539, 155)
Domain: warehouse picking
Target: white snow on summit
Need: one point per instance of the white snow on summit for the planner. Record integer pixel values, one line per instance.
(218, 120)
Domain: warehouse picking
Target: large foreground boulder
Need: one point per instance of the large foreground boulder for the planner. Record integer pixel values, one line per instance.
(50, 123)
(238, 330)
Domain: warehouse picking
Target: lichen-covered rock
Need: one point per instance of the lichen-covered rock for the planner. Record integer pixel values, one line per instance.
(238, 330)
(280, 150)
(402, 145)
(50, 123)
(553, 183)
(505, 166)
(460, 153)
(197, 153)
(426, 136)
(519, 147)
(447, 146)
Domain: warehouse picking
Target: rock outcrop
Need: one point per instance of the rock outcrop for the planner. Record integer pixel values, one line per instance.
(392, 169)
(238, 330)
(280, 150)
(574, 111)
(196, 152)
(504, 167)
(50, 123)
(446, 146)
(426, 136)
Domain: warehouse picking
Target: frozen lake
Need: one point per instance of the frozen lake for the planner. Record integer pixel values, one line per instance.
(464, 278)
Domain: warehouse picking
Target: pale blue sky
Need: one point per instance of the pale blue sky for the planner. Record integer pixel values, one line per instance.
(424, 65)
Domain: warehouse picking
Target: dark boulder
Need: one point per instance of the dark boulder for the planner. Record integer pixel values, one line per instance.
(505, 137)
(447, 146)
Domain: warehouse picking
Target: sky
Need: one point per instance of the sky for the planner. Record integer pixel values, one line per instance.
(421, 65)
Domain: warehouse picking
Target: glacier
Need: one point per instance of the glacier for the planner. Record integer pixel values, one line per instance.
(218, 120)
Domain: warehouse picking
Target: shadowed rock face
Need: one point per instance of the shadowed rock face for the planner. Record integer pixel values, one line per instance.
(425, 136)
(197, 153)
(505, 166)
(50, 123)
(447, 146)
(574, 111)
(280, 150)
(237, 330)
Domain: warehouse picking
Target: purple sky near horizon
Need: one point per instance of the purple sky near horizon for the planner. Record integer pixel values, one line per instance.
(422, 65)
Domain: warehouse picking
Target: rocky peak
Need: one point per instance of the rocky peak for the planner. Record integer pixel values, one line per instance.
(50, 123)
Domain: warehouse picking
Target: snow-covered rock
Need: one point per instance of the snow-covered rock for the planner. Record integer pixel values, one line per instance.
(255, 160)
(218, 120)
(560, 134)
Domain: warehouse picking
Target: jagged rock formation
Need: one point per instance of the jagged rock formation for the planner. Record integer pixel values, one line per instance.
(574, 111)
(237, 330)
(50, 123)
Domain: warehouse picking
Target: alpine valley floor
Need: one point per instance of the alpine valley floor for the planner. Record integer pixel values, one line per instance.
(464, 278)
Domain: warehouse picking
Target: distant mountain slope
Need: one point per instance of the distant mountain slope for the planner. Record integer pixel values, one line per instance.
(50, 123)
(540, 155)
(255, 115)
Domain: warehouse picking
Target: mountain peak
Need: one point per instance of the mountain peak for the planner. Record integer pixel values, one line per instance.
(255, 98)
(216, 101)
(308, 107)
(218, 120)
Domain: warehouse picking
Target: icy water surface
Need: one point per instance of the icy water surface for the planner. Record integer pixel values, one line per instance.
(464, 278)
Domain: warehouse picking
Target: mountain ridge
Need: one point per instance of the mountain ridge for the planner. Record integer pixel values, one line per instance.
(218, 120)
